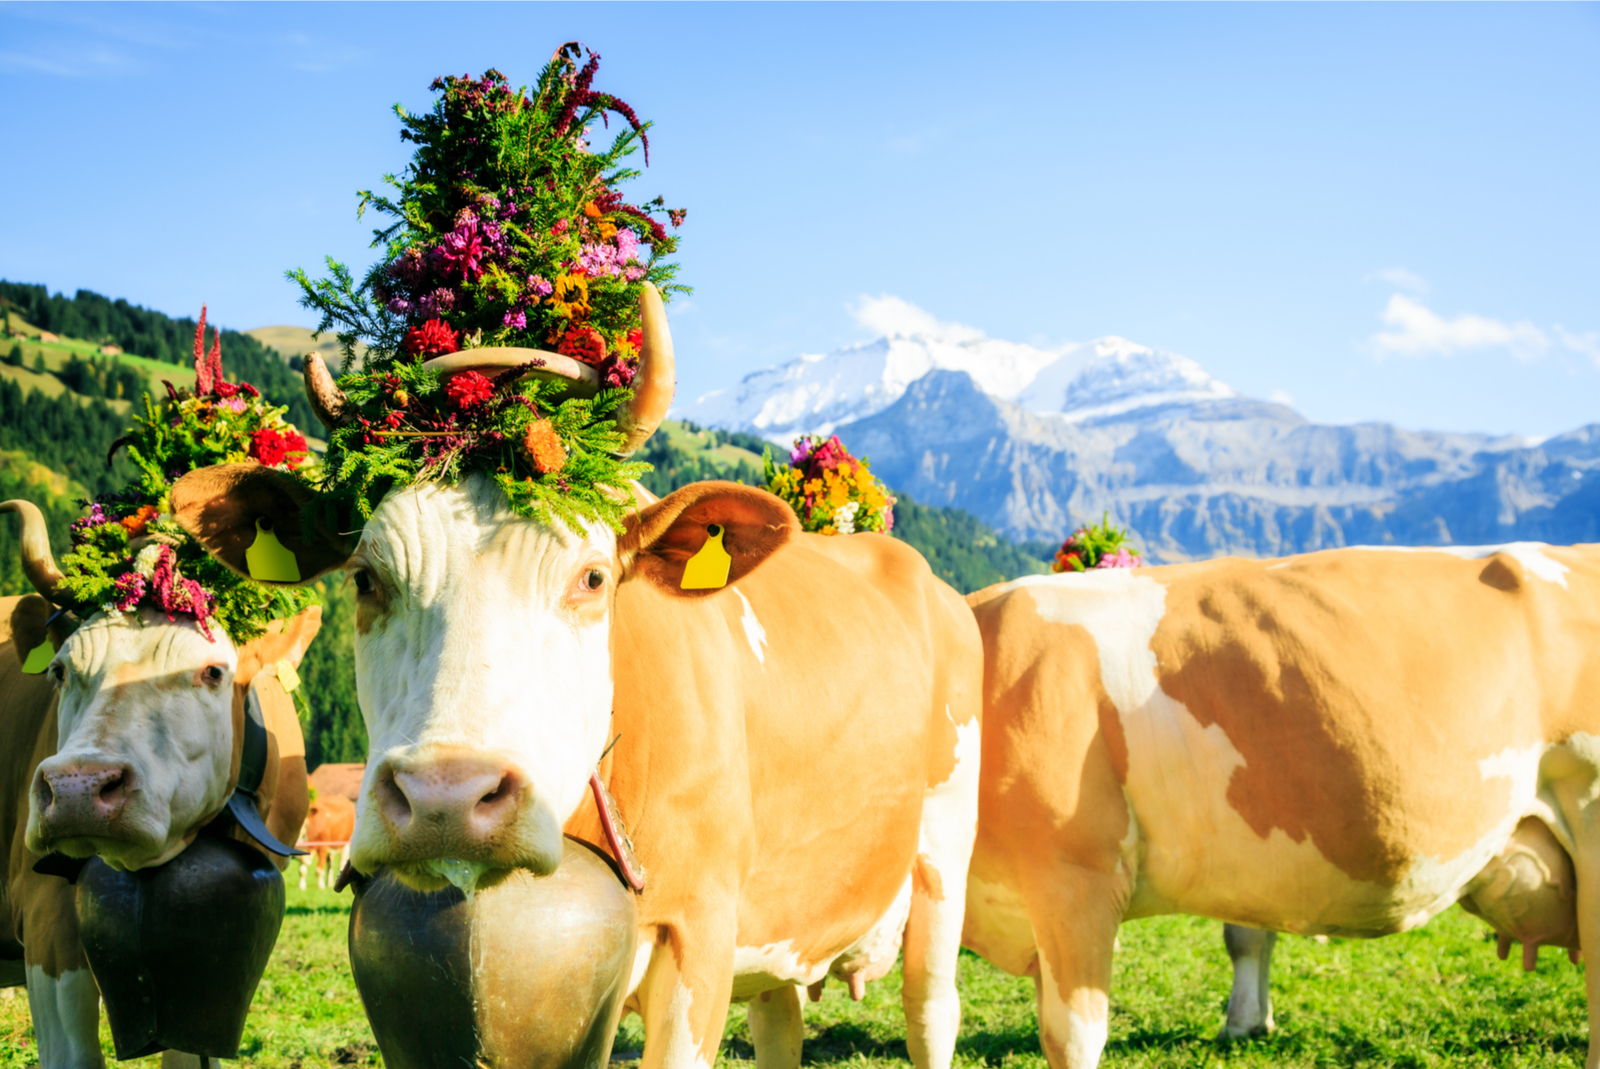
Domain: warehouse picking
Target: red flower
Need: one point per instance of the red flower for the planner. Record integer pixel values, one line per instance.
(469, 389)
(295, 448)
(269, 447)
(431, 339)
(583, 343)
(226, 389)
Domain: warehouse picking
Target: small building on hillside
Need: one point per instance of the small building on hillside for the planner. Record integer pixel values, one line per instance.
(110, 350)
(45, 335)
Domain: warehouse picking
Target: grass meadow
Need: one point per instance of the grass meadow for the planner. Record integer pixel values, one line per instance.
(1435, 997)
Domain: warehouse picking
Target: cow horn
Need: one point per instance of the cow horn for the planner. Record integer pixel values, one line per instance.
(656, 379)
(37, 562)
(327, 400)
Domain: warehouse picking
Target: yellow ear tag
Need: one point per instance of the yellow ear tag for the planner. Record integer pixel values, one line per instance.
(288, 676)
(708, 569)
(40, 658)
(270, 560)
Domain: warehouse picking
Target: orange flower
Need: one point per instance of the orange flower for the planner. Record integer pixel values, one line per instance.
(136, 523)
(592, 210)
(544, 447)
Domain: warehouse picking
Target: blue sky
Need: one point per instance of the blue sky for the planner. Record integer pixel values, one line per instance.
(1383, 212)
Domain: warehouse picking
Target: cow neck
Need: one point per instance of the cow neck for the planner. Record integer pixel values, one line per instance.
(243, 807)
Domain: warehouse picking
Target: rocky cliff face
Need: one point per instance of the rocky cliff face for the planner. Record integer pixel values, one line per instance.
(1199, 479)
(1036, 441)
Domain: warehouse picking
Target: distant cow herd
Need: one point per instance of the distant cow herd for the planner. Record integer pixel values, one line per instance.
(834, 762)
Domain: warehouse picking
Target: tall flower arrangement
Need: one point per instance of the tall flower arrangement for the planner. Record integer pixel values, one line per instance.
(1095, 546)
(128, 551)
(830, 491)
(509, 231)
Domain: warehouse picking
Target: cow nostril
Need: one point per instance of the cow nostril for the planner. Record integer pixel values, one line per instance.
(45, 795)
(112, 787)
(501, 791)
(392, 800)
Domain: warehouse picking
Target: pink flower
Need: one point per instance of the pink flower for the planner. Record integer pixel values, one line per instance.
(130, 588)
(1120, 559)
(461, 251)
(232, 404)
(539, 286)
(516, 318)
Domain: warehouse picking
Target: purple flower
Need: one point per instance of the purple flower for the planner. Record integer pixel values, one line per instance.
(407, 267)
(434, 305)
(400, 306)
(516, 319)
(538, 286)
(130, 588)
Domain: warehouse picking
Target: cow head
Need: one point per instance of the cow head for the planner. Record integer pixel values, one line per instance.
(483, 645)
(148, 714)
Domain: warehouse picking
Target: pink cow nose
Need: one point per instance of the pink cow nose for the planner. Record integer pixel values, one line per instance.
(445, 806)
(82, 798)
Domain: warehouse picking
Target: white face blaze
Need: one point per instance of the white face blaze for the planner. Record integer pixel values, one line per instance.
(483, 661)
(145, 742)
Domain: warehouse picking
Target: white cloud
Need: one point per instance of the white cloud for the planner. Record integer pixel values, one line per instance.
(1586, 344)
(1419, 331)
(1281, 397)
(887, 315)
(1398, 277)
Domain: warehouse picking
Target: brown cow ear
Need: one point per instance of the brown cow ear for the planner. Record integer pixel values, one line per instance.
(221, 506)
(662, 537)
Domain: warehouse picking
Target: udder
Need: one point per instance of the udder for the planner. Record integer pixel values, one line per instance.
(1527, 893)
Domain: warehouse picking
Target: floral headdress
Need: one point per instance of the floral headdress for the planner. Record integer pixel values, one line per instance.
(831, 491)
(511, 239)
(1094, 546)
(128, 551)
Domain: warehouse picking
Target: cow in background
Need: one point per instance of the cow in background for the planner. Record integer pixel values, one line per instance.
(1341, 743)
(330, 822)
(124, 748)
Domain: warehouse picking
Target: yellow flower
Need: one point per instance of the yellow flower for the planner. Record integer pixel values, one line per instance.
(571, 295)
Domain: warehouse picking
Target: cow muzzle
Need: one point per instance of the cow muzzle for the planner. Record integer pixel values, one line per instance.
(448, 816)
(85, 806)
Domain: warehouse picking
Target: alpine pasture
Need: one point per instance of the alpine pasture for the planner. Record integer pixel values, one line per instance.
(1435, 997)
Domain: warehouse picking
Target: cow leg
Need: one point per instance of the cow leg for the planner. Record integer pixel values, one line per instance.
(684, 1000)
(1075, 913)
(177, 1059)
(777, 1026)
(66, 1018)
(304, 864)
(1250, 1002)
(932, 943)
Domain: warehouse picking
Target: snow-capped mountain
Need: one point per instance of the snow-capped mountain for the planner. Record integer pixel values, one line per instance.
(1034, 441)
(817, 393)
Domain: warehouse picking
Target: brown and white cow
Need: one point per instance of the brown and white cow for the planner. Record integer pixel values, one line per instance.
(330, 822)
(1346, 742)
(796, 755)
(124, 748)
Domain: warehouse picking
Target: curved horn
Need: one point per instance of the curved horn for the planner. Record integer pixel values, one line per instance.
(37, 562)
(657, 378)
(327, 400)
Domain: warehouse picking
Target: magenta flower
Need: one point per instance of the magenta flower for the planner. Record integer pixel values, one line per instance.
(516, 318)
(130, 588)
(462, 250)
(1120, 559)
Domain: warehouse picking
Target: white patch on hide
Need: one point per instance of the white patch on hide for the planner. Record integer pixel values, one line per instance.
(66, 1018)
(754, 633)
(1528, 554)
(1079, 1039)
(757, 969)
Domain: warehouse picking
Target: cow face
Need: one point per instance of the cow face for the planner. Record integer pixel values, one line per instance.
(483, 651)
(145, 743)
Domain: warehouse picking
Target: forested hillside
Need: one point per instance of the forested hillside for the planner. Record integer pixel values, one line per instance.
(155, 336)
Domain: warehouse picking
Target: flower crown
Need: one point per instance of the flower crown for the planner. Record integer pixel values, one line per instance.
(128, 551)
(830, 491)
(1094, 546)
(503, 324)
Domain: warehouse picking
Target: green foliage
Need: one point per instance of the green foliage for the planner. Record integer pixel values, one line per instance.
(98, 377)
(961, 549)
(151, 334)
(335, 731)
(65, 435)
(1093, 544)
(59, 511)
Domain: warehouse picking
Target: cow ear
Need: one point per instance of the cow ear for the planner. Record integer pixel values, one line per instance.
(228, 506)
(661, 537)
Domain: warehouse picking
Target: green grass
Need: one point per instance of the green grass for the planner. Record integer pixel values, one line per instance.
(1436, 997)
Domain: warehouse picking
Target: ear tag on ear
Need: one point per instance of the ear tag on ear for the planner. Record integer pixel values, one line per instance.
(269, 559)
(708, 569)
(40, 658)
(288, 676)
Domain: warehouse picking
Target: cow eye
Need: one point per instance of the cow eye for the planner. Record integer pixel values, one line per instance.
(58, 672)
(594, 579)
(363, 581)
(211, 675)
